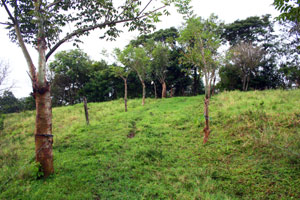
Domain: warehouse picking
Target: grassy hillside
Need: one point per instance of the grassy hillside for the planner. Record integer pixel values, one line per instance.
(156, 151)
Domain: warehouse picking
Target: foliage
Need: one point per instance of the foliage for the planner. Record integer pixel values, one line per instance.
(135, 58)
(27, 103)
(257, 31)
(177, 75)
(162, 35)
(252, 29)
(160, 61)
(102, 84)
(289, 10)
(252, 153)
(70, 72)
(246, 57)
(122, 72)
(201, 39)
(230, 78)
(85, 16)
(9, 103)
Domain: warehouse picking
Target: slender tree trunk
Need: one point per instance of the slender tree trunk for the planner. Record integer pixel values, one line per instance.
(206, 128)
(248, 79)
(213, 87)
(86, 111)
(43, 130)
(195, 85)
(244, 82)
(155, 92)
(125, 94)
(164, 90)
(144, 93)
(172, 92)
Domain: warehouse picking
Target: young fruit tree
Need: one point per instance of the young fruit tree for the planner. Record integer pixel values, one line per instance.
(137, 59)
(246, 57)
(201, 39)
(159, 64)
(122, 72)
(43, 24)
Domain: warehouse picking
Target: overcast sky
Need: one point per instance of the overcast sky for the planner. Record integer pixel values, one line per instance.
(227, 10)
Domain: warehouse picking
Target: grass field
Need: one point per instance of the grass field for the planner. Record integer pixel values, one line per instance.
(156, 151)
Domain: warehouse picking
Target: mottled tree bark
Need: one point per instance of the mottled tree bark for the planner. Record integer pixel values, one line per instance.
(43, 130)
(164, 90)
(206, 128)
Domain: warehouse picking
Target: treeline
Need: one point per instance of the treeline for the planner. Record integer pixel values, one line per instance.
(255, 57)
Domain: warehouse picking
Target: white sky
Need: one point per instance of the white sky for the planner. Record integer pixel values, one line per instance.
(227, 10)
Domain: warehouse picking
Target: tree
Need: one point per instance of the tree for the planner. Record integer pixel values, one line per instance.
(289, 10)
(251, 29)
(137, 59)
(202, 39)
(9, 103)
(247, 57)
(71, 70)
(176, 73)
(159, 64)
(230, 78)
(122, 72)
(40, 23)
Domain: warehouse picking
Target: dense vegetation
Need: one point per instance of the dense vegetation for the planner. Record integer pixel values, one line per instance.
(156, 152)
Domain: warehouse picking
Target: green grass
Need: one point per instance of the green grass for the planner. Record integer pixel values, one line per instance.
(253, 151)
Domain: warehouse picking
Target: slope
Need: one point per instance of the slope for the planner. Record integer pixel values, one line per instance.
(156, 151)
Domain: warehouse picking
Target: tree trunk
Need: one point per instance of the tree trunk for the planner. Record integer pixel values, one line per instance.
(43, 130)
(213, 87)
(244, 82)
(248, 79)
(195, 85)
(125, 94)
(164, 90)
(155, 92)
(86, 111)
(206, 128)
(171, 92)
(144, 93)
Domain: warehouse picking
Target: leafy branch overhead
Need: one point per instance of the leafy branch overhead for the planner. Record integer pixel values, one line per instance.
(84, 16)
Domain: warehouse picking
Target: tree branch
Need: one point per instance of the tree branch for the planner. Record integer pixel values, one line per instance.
(90, 28)
(25, 52)
(53, 4)
(5, 23)
(153, 11)
(21, 42)
(8, 12)
(145, 7)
